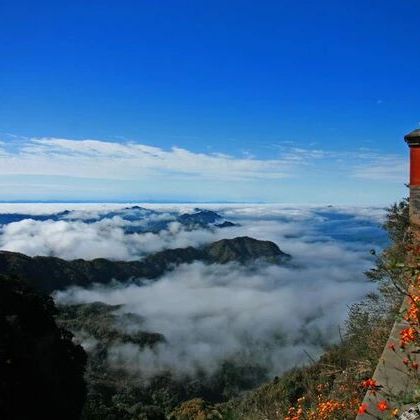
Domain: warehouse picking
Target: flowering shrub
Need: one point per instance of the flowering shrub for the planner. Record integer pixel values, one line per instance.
(324, 409)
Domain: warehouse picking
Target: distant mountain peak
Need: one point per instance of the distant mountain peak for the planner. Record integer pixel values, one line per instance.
(136, 219)
(200, 217)
(243, 249)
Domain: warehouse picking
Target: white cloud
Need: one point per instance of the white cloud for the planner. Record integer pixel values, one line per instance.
(269, 315)
(383, 168)
(65, 169)
(94, 158)
(103, 239)
(99, 159)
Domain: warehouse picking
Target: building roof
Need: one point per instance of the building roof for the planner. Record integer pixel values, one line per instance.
(413, 138)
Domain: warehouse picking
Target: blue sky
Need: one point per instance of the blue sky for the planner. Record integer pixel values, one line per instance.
(277, 101)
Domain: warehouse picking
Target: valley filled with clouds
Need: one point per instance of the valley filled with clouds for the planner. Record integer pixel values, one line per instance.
(271, 316)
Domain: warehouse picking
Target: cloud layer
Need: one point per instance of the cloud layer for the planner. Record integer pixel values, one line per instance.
(269, 316)
(208, 314)
(292, 228)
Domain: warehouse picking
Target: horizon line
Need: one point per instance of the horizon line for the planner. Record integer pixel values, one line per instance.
(186, 202)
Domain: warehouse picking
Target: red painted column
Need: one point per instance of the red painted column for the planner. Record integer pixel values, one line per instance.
(413, 141)
(415, 166)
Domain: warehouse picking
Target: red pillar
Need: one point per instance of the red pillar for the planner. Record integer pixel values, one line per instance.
(415, 166)
(413, 141)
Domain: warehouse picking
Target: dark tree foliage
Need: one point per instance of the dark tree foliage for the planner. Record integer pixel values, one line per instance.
(388, 269)
(116, 391)
(397, 221)
(41, 369)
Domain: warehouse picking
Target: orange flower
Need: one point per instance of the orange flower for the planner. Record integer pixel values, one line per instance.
(362, 409)
(413, 312)
(369, 384)
(407, 335)
(391, 346)
(382, 405)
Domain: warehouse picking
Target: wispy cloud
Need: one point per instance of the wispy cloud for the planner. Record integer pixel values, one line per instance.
(382, 168)
(178, 172)
(93, 158)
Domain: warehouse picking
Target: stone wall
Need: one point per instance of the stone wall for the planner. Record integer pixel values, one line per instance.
(415, 207)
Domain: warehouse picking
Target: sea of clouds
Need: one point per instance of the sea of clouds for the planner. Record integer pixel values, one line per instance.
(279, 316)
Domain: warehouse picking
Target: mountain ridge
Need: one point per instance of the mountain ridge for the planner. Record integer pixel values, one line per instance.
(135, 217)
(47, 273)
